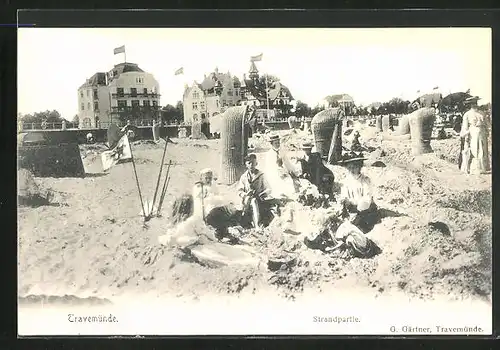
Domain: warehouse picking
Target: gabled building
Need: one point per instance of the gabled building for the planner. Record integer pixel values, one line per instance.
(212, 96)
(218, 91)
(277, 98)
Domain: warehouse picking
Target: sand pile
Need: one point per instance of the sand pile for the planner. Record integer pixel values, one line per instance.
(438, 263)
(29, 193)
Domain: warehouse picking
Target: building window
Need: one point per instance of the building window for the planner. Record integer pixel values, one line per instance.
(146, 103)
(96, 96)
(230, 92)
(195, 105)
(237, 92)
(145, 91)
(88, 93)
(88, 105)
(139, 80)
(155, 103)
(96, 106)
(83, 107)
(81, 94)
(119, 92)
(122, 104)
(196, 95)
(135, 103)
(115, 72)
(202, 105)
(133, 92)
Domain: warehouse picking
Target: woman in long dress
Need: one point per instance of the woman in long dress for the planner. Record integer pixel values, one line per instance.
(356, 196)
(277, 172)
(475, 156)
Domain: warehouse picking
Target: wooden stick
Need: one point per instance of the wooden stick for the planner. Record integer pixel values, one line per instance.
(159, 173)
(138, 185)
(164, 189)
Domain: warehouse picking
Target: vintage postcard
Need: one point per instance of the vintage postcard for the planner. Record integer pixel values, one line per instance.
(199, 181)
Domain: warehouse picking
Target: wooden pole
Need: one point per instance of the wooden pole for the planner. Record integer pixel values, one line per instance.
(138, 185)
(164, 189)
(159, 173)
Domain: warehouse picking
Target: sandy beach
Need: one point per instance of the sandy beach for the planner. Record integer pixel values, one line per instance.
(91, 241)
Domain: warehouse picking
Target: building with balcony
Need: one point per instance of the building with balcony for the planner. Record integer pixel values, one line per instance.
(124, 93)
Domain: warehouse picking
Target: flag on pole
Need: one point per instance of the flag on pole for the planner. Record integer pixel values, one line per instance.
(179, 71)
(120, 154)
(120, 49)
(256, 58)
(435, 88)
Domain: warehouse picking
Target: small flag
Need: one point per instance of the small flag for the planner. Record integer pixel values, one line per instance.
(120, 49)
(437, 87)
(418, 91)
(256, 58)
(120, 154)
(179, 71)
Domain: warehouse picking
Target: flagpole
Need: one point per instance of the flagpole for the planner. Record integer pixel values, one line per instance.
(267, 98)
(125, 55)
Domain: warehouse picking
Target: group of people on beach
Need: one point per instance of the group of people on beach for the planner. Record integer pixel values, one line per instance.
(263, 194)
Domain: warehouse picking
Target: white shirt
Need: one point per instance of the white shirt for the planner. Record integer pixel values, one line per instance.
(210, 196)
(357, 190)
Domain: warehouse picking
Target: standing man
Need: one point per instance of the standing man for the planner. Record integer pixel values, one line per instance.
(475, 156)
(277, 174)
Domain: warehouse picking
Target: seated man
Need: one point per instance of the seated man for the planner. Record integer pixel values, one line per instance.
(315, 171)
(254, 191)
(356, 195)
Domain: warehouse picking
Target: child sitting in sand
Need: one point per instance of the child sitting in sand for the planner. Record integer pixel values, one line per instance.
(254, 192)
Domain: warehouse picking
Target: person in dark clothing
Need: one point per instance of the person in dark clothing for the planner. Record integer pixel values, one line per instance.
(315, 171)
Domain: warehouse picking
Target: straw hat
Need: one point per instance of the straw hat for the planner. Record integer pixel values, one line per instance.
(349, 157)
(472, 99)
(307, 145)
(274, 137)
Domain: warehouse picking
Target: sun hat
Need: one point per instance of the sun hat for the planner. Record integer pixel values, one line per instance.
(206, 171)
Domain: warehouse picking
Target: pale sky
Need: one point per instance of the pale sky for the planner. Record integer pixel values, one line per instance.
(369, 64)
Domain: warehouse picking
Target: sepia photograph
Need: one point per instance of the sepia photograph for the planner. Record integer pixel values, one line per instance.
(254, 181)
